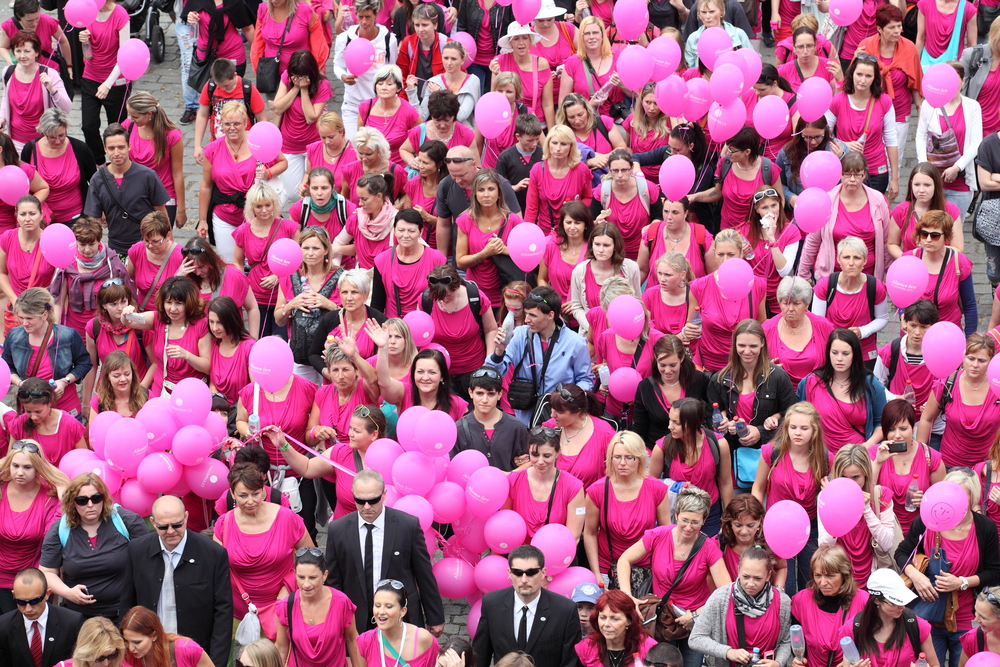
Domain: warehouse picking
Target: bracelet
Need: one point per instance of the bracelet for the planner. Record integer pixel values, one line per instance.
(267, 172)
(284, 446)
(312, 433)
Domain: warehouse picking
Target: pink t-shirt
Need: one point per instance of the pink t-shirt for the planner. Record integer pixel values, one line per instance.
(414, 189)
(799, 363)
(700, 240)
(342, 454)
(21, 533)
(606, 352)
(668, 319)
(820, 628)
(630, 216)
(291, 413)
(965, 561)
(533, 82)
(626, 520)
(485, 274)
(255, 249)
(143, 151)
(559, 52)
(177, 368)
(918, 374)
(535, 512)
(460, 136)
(858, 542)
(957, 121)
(371, 649)
(589, 465)
(856, 223)
(692, 592)
(47, 30)
(790, 73)
(320, 645)
(843, 423)
(21, 265)
(106, 344)
(642, 143)
(897, 484)
(68, 433)
(737, 194)
(365, 249)
(230, 177)
(234, 284)
(493, 147)
(186, 651)
(272, 31)
(720, 317)
(763, 632)
(945, 294)
(773, 146)
(230, 374)
(969, 429)
(851, 124)
(484, 39)
(863, 27)
(104, 42)
(547, 194)
(763, 260)
(337, 414)
(989, 98)
(296, 132)
(63, 176)
(990, 509)
(939, 27)
(461, 336)
(231, 45)
(8, 219)
(586, 84)
(333, 224)
(317, 158)
(907, 222)
(26, 104)
(590, 656)
(457, 410)
(394, 128)
(410, 279)
(560, 272)
(145, 272)
(702, 472)
(902, 103)
(851, 310)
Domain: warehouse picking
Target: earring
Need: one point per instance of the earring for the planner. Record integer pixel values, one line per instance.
(373, 620)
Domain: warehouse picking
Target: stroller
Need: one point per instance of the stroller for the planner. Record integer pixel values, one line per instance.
(144, 15)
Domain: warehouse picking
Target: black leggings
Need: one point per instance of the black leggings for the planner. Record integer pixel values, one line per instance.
(90, 107)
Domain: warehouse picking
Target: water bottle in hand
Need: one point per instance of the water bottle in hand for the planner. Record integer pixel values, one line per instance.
(921, 661)
(755, 658)
(605, 374)
(717, 418)
(850, 650)
(306, 287)
(696, 319)
(602, 93)
(253, 424)
(798, 641)
(742, 430)
(911, 492)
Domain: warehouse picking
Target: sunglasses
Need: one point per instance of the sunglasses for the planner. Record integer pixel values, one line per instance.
(318, 230)
(193, 251)
(112, 281)
(770, 192)
(82, 501)
(565, 395)
(534, 298)
(443, 280)
(29, 603)
(361, 502)
(531, 571)
(398, 585)
(313, 551)
(457, 160)
(25, 446)
(925, 234)
(35, 394)
(164, 527)
(992, 599)
(362, 411)
(547, 431)
(865, 57)
(485, 373)
(109, 657)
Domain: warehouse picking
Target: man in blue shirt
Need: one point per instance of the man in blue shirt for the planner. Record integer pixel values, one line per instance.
(543, 352)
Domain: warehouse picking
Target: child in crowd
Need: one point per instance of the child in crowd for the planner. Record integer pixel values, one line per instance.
(515, 163)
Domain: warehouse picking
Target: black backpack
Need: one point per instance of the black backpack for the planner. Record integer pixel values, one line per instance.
(912, 629)
(474, 302)
(713, 444)
(831, 291)
(247, 88)
(765, 169)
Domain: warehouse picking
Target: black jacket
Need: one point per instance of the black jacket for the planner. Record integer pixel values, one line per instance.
(555, 631)
(204, 592)
(470, 17)
(650, 420)
(986, 536)
(84, 158)
(61, 629)
(773, 396)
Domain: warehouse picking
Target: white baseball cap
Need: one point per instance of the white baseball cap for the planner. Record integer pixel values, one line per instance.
(887, 584)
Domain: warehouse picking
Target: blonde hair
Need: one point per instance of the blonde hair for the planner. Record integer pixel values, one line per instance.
(263, 653)
(53, 477)
(369, 137)
(854, 455)
(969, 482)
(99, 637)
(258, 194)
(565, 134)
(324, 240)
(292, 5)
(641, 121)
(36, 302)
(581, 49)
(677, 262)
(143, 102)
(509, 79)
(720, 4)
(614, 287)
(332, 120)
(732, 237)
(409, 347)
(234, 108)
(634, 445)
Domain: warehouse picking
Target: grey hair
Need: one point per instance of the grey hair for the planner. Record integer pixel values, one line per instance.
(793, 288)
(371, 138)
(374, 6)
(695, 500)
(613, 287)
(853, 243)
(389, 72)
(357, 277)
(969, 482)
(333, 354)
(51, 120)
(368, 475)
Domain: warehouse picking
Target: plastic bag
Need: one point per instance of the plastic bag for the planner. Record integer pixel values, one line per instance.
(249, 628)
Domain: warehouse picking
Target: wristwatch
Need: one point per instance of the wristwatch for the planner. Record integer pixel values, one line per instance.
(965, 584)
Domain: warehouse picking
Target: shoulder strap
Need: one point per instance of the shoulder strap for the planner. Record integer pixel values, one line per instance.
(699, 236)
(638, 351)
(156, 281)
(42, 350)
(868, 115)
(870, 290)
(95, 329)
(590, 75)
(680, 573)
(552, 497)
(475, 303)
(651, 233)
(599, 126)
(980, 640)
(173, 654)
(7, 73)
(267, 244)
(741, 633)
(211, 87)
(946, 395)
(247, 94)
(893, 360)
(643, 188)
(713, 444)
(831, 288)
(727, 166)
(765, 169)
(425, 301)
(116, 520)
(987, 485)
(103, 171)
(944, 265)
(607, 528)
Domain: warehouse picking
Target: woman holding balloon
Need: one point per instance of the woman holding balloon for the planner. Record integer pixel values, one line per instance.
(105, 85)
(670, 379)
(542, 493)
(627, 200)
(387, 112)
(771, 83)
(30, 89)
(560, 177)
(22, 263)
(774, 240)
(712, 14)
(155, 142)
(924, 193)
(591, 67)
(511, 87)
(808, 138)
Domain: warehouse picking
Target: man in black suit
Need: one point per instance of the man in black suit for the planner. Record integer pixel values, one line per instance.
(199, 603)
(36, 627)
(527, 617)
(377, 543)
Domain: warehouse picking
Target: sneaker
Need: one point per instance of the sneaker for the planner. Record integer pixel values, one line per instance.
(768, 39)
(188, 117)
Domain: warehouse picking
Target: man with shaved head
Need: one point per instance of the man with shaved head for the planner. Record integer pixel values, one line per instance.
(455, 192)
(184, 577)
(36, 633)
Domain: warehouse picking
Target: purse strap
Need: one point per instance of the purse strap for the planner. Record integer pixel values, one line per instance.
(281, 44)
(868, 116)
(34, 265)
(42, 349)
(267, 244)
(111, 191)
(687, 561)
(552, 496)
(607, 528)
(156, 281)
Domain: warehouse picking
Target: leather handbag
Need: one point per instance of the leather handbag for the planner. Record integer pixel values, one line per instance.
(659, 619)
(268, 75)
(933, 611)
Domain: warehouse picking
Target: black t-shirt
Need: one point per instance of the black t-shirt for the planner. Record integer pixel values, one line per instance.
(139, 193)
(515, 167)
(989, 159)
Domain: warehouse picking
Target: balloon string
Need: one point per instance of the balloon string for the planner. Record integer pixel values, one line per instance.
(306, 447)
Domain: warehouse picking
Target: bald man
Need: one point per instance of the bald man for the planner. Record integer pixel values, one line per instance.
(455, 192)
(184, 577)
(36, 623)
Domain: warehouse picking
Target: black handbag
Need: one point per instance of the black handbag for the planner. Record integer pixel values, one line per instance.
(268, 75)
(523, 394)
(200, 70)
(641, 579)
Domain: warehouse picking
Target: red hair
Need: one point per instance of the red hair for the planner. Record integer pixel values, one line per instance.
(146, 622)
(617, 602)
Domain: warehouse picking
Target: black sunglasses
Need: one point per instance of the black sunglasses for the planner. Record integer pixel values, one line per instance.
(361, 502)
(29, 603)
(764, 193)
(164, 527)
(565, 395)
(992, 599)
(193, 250)
(531, 571)
(457, 160)
(109, 657)
(25, 446)
(485, 373)
(443, 280)
(82, 501)
(314, 551)
(35, 394)
(112, 281)
(925, 234)
(535, 299)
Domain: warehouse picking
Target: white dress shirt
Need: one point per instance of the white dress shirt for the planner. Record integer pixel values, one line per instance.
(42, 622)
(378, 538)
(532, 608)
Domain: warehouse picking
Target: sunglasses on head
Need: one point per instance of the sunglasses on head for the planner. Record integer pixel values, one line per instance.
(534, 298)
(313, 551)
(865, 57)
(443, 280)
(361, 502)
(398, 585)
(165, 526)
(25, 446)
(565, 394)
(757, 196)
(83, 501)
(927, 234)
(109, 657)
(112, 281)
(35, 394)
(992, 599)
(317, 229)
(29, 603)
(531, 571)
(193, 251)
(485, 373)
(362, 411)
(547, 431)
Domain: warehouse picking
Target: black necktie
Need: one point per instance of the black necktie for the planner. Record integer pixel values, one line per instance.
(522, 630)
(369, 567)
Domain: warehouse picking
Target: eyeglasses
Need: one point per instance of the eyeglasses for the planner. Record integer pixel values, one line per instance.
(627, 458)
(163, 527)
(813, 138)
(312, 551)
(112, 281)
(854, 176)
(457, 160)
(29, 603)
(927, 234)
(531, 571)
(770, 192)
(485, 373)
(149, 242)
(109, 657)
(693, 524)
(547, 431)
(443, 280)
(362, 411)
(35, 394)
(229, 125)
(361, 502)
(193, 250)
(83, 501)
(805, 47)
(25, 446)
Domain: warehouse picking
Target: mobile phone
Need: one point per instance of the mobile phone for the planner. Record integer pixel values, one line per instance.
(897, 447)
(135, 317)
(769, 655)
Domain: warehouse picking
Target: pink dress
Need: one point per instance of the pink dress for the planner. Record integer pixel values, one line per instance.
(969, 429)
(320, 645)
(296, 132)
(939, 27)
(840, 420)
(255, 252)
(547, 194)
(851, 123)
(371, 651)
(291, 413)
(945, 294)
(485, 274)
(177, 368)
(799, 363)
(317, 158)
(606, 352)
(720, 317)
(130, 345)
(897, 484)
(409, 279)
(700, 240)
(337, 414)
(560, 272)
(787, 483)
(461, 336)
(641, 144)
(394, 128)
(68, 433)
(25, 269)
(626, 520)
(145, 272)
(104, 42)
(692, 592)
(296, 38)
(737, 194)
(851, 310)
(63, 176)
(230, 374)
(630, 216)
(702, 472)
(820, 629)
(21, 533)
(668, 319)
(143, 151)
(588, 466)
(535, 512)
(533, 81)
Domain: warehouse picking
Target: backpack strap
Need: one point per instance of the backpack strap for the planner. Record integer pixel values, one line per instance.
(946, 395)
(247, 94)
(699, 237)
(831, 288)
(475, 303)
(95, 329)
(713, 444)
(643, 187)
(727, 166)
(893, 360)
(652, 232)
(605, 193)
(980, 640)
(870, 286)
(7, 73)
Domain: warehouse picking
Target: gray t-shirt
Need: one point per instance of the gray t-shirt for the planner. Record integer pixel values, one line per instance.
(139, 192)
(453, 201)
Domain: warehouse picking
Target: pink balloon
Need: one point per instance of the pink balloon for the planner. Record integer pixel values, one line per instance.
(137, 499)
(469, 530)
(271, 363)
(486, 491)
(381, 455)
(99, 426)
(476, 613)
(444, 353)
(80, 13)
(391, 495)
(159, 472)
(944, 504)
(191, 401)
(945, 348)
(14, 185)
(786, 528)
(812, 209)
(406, 427)
(58, 243)
(666, 54)
(712, 42)
(455, 578)
(440, 468)
(626, 316)
(623, 383)
(208, 479)
(493, 114)
(813, 99)
(635, 65)
(677, 174)
(359, 56)
(992, 373)
(421, 326)
(940, 84)
(699, 99)
(217, 427)
(436, 433)
(464, 464)
(181, 488)
(735, 279)
(469, 42)
(192, 445)
(125, 445)
(727, 84)
(820, 169)
(284, 257)
(111, 477)
(770, 116)
(564, 582)
(264, 140)
(558, 544)
(725, 121)
(840, 506)
(75, 458)
(631, 18)
(418, 507)
(732, 58)
(671, 94)
(754, 65)
(447, 499)
(491, 573)
(504, 531)
(525, 12)
(133, 59)
(984, 659)
(906, 281)
(160, 426)
(4, 378)
(413, 473)
(431, 542)
(845, 12)
(526, 245)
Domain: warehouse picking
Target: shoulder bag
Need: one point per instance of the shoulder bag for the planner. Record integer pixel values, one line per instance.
(943, 150)
(658, 613)
(267, 68)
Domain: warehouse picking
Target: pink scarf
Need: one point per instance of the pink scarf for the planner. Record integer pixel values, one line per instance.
(377, 228)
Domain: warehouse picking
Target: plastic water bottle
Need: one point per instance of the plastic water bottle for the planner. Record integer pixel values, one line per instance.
(717, 418)
(911, 491)
(602, 93)
(253, 424)
(604, 373)
(742, 430)
(850, 650)
(306, 287)
(798, 641)
(88, 50)
(908, 394)
(921, 661)
(696, 318)
(755, 658)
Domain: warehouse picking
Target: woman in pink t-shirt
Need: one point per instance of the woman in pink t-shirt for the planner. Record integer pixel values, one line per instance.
(22, 263)
(774, 241)
(421, 190)
(605, 260)
(534, 71)
(558, 40)
(29, 16)
(352, 382)
(387, 112)
(627, 200)
(231, 345)
(648, 128)
(807, 62)
(373, 158)
(560, 177)
(622, 506)
(63, 163)
(322, 207)
(510, 86)
(442, 125)
(565, 249)
(591, 130)
(584, 438)
(332, 151)
(301, 99)
(925, 192)
(147, 640)
(367, 231)
(29, 89)
(796, 338)
(742, 522)
(104, 87)
(772, 83)
(417, 646)
(616, 352)
(154, 259)
(155, 142)
(55, 430)
(592, 66)
(290, 27)
(108, 333)
(222, 25)
(949, 285)
(675, 234)
(544, 494)
(119, 387)
(400, 275)
(937, 21)
(881, 619)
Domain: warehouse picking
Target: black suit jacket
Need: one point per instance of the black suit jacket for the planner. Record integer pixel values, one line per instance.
(61, 629)
(203, 591)
(554, 634)
(404, 557)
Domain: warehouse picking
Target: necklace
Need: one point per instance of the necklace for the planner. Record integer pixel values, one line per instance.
(842, 384)
(969, 383)
(236, 152)
(616, 657)
(443, 139)
(750, 168)
(569, 438)
(667, 384)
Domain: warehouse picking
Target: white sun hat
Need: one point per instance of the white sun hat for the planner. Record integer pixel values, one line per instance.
(515, 29)
(549, 10)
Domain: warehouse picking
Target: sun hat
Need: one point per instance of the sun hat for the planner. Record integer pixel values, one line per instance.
(515, 29)
(549, 10)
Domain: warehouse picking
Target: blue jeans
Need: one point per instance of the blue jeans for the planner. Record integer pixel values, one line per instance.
(185, 41)
(799, 572)
(961, 200)
(485, 77)
(692, 658)
(947, 645)
(879, 182)
(992, 263)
